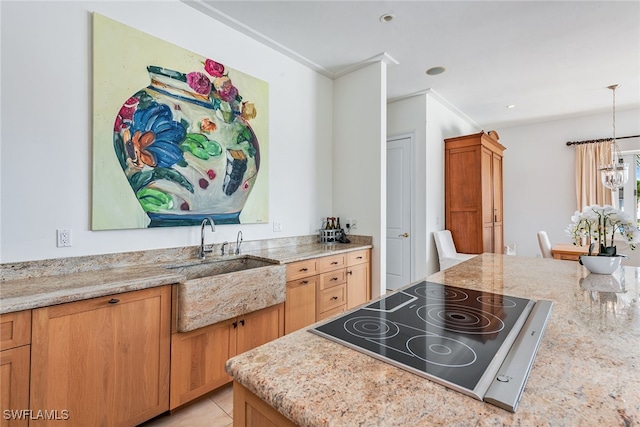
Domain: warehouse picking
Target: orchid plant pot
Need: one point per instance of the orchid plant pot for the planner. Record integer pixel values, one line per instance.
(599, 264)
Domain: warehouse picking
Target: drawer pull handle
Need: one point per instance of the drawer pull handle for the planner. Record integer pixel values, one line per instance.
(114, 301)
(359, 257)
(235, 325)
(304, 269)
(334, 278)
(334, 262)
(304, 282)
(242, 322)
(334, 297)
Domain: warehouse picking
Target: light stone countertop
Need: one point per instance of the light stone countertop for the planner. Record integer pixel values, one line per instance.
(33, 284)
(586, 372)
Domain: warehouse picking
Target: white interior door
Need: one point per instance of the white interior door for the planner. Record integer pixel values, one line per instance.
(398, 212)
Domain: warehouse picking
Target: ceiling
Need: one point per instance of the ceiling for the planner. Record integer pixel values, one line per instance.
(551, 59)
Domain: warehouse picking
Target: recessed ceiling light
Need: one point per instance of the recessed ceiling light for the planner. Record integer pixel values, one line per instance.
(434, 71)
(387, 17)
(511, 106)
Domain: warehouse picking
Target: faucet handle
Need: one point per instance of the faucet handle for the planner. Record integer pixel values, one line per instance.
(222, 249)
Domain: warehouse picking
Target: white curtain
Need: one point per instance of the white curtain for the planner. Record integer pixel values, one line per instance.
(589, 188)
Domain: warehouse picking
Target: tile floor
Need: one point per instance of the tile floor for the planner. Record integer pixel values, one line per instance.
(214, 410)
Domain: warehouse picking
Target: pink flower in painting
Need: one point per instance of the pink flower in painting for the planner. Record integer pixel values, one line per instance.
(125, 115)
(199, 82)
(214, 68)
(225, 89)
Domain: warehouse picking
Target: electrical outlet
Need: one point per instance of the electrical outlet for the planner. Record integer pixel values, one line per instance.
(64, 237)
(354, 224)
(277, 225)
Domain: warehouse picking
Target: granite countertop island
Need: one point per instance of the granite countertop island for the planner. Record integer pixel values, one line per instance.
(33, 284)
(586, 372)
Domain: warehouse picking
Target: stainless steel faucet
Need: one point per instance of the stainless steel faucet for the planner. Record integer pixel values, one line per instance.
(205, 249)
(238, 242)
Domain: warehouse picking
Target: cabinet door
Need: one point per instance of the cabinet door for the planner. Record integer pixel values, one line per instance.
(358, 285)
(14, 386)
(259, 327)
(197, 362)
(104, 360)
(300, 305)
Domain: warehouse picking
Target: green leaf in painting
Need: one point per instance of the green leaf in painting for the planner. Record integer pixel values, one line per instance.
(172, 175)
(244, 136)
(153, 200)
(118, 145)
(140, 179)
(213, 148)
(194, 148)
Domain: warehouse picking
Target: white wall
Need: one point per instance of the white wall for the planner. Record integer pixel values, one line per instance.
(359, 158)
(46, 127)
(539, 180)
(431, 119)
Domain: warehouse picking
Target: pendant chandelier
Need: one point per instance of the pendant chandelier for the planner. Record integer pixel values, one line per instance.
(614, 175)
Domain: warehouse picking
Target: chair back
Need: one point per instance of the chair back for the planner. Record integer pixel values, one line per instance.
(444, 244)
(545, 244)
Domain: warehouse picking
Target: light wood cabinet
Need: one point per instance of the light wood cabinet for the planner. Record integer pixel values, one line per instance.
(300, 305)
(198, 357)
(323, 287)
(15, 339)
(251, 411)
(104, 360)
(474, 192)
(259, 327)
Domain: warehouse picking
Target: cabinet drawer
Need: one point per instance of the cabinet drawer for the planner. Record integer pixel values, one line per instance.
(331, 313)
(15, 329)
(306, 268)
(332, 298)
(358, 257)
(333, 278)
(332, 262)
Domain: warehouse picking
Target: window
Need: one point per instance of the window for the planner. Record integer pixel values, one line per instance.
(628, 195)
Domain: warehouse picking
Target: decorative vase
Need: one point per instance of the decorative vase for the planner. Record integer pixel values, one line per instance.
(599, 264)
(187, 155)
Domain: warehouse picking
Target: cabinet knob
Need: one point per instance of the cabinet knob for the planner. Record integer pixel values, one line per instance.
(334, 297)
(235, 325)
(350, 272)
(403, 235)
(334, 278)
(242, 322)
(114, 301)
(304, 269)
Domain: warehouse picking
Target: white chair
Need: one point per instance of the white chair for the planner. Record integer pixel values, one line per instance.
(447, 253)
(545, 245)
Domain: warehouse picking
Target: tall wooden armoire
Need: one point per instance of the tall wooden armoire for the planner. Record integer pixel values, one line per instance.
(473, 192)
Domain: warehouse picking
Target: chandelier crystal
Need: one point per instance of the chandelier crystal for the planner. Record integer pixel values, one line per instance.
(614, 175)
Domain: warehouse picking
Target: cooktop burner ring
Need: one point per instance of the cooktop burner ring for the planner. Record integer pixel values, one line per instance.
(369, 327)
(441, 293)
(496, 301)
(460, 318)
(438, 350)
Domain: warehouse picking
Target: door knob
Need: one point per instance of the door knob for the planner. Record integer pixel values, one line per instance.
(403, 235)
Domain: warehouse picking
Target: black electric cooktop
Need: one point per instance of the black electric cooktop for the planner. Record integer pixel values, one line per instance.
(454, 336)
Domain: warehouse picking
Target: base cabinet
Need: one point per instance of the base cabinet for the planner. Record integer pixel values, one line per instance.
(323, 287)
(104, 361)
(15, 354)
(251, 411)
(198, 357)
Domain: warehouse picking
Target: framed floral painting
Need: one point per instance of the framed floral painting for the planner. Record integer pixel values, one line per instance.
(177, 137)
